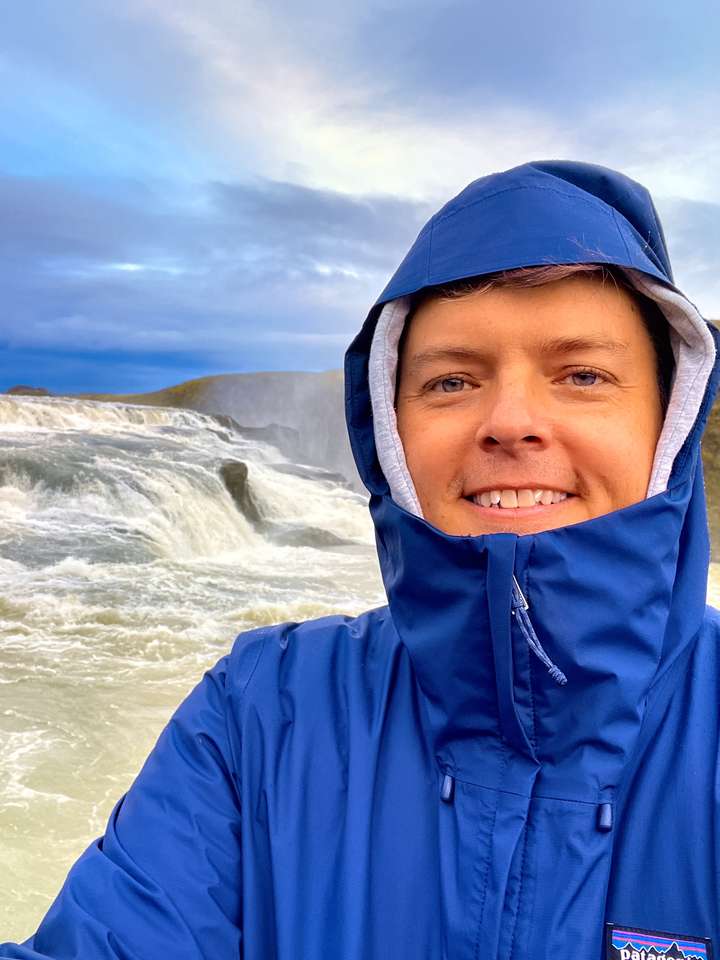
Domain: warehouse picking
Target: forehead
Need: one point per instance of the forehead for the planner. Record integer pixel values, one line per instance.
(582, 308)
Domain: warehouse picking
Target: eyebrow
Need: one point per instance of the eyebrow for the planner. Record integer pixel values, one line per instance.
(552, 346)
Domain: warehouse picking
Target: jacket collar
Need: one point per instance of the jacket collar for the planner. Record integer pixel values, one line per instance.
(615, 601)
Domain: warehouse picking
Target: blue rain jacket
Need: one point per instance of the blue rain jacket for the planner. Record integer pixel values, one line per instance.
(411, 783)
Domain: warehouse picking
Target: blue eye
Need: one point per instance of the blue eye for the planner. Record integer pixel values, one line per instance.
(584, 374)
(456, 382)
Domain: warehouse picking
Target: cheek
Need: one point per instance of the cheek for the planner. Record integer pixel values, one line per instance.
(433, 452)
(615, 457)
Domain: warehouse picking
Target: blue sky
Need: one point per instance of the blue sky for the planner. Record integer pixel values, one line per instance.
(188, 189)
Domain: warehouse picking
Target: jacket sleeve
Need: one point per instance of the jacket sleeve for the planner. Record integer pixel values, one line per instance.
(165, 879)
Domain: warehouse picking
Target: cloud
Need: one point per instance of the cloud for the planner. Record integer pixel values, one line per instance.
(419, 99)
(222, 271)
(366, 97)
(692, 231)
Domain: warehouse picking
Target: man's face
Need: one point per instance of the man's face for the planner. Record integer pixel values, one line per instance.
(551, 389)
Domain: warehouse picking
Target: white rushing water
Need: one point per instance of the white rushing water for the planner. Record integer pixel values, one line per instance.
(126, 570)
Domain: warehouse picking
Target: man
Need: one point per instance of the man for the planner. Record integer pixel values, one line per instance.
(517, 757)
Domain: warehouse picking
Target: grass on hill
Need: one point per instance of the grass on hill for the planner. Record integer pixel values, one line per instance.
(182, 395)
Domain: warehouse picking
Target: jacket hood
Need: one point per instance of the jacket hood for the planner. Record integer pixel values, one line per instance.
(610, 603)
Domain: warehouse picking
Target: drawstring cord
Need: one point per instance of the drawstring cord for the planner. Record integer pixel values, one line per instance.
(519, 611)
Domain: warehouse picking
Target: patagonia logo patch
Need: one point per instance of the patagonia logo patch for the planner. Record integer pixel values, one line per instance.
(632, 943)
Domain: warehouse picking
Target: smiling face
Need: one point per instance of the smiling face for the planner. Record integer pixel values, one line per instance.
(544, 398)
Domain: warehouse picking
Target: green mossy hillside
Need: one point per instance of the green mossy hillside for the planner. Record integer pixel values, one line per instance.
(184, 394)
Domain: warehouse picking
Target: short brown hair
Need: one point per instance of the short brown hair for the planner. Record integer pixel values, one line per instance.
(653, 318)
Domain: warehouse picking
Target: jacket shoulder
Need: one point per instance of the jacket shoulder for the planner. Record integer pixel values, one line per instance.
(712, 622)
(285, 654)
(707, 649)
(703, 666)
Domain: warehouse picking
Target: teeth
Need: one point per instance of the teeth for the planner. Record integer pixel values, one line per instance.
(524, 497)
(508, 498)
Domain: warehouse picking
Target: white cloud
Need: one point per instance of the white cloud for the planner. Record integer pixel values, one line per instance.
(282, 96)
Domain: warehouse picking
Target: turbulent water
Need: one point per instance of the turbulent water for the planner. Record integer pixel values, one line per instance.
(126, 569)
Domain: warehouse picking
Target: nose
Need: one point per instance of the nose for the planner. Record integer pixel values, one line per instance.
(514, 419)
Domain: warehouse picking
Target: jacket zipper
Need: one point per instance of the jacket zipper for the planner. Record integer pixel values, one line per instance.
(520, 608)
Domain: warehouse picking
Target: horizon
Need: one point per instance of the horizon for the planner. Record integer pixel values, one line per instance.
(13, 389)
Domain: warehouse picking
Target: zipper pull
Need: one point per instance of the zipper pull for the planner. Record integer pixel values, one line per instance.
(518, 596)
(605, 817)
(448, 788)
(520, 608)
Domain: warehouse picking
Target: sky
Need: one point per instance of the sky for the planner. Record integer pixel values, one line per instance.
(189, 189)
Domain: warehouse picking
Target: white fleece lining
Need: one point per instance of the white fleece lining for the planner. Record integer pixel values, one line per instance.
(692, 345)
(694, 350)
(381, 375)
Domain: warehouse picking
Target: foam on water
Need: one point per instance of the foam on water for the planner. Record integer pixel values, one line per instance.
(296, 500)
(64, 415)
(714, 586)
